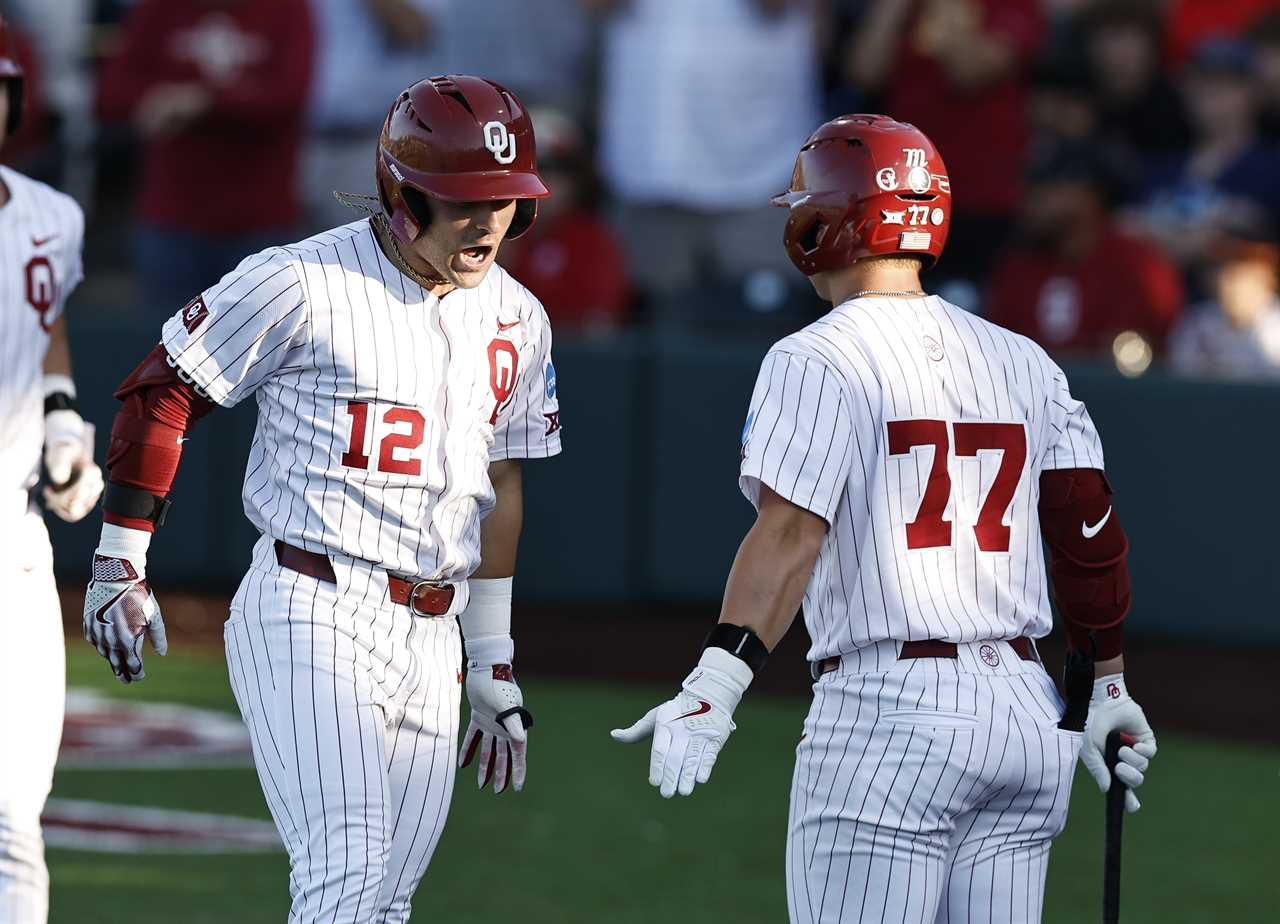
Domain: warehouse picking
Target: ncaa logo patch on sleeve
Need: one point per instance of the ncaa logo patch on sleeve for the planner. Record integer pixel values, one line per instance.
(551, 380)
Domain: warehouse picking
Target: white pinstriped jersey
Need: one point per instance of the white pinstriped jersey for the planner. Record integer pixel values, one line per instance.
(41, 231)
(919, 432)
(380, 406)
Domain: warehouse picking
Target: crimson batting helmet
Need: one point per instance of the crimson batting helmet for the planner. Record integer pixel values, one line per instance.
(12, 76)
(461, 139)
(866, 186)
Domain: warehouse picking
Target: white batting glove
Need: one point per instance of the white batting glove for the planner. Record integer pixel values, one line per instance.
(498, 728)
(689, 730)
(1112, 709)
(119, 608)
(499, 721)
(75, 482)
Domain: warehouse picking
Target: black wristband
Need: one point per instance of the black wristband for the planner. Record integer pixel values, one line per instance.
(135, 503)
(740, 642)
(60, 401)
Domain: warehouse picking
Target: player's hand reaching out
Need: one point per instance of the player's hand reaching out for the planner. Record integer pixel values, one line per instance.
(689, 730)
(498, 731)
(119, 608)
(1112, 709)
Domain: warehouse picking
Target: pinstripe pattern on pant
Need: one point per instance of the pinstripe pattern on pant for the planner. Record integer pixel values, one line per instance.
(352, 708)
(32, 696)
(927, 790)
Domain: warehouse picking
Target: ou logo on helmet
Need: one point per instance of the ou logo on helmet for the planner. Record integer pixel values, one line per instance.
(499, 142)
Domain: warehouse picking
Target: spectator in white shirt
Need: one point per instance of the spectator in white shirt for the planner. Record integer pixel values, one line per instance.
(1237, 334)
(367, 51)
(702, 106)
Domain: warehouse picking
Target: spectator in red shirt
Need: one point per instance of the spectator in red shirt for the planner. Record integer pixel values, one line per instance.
(1074, 280)
(959, 69)
(570, 259)
(216, 90)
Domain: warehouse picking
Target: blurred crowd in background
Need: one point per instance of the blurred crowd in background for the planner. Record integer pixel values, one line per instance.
(1115, 163)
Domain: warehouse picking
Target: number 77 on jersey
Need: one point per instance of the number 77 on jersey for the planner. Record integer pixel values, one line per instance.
(968, 439)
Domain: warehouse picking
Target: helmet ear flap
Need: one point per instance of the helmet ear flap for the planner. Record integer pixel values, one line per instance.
(14, 86)
(418, 205)
(526, 212)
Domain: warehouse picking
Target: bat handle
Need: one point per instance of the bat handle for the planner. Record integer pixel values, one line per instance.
(1115, 824)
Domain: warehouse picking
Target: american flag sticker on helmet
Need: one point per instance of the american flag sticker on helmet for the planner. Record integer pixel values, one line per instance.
(915, 240)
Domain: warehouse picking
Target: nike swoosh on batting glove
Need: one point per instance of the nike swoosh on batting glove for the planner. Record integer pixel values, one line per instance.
(119, 608)
(690, 729)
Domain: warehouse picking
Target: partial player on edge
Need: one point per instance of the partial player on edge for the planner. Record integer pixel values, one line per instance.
(905, 459)
(400, 378)
(41, 232)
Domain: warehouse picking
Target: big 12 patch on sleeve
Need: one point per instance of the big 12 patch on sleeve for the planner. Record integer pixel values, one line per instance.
(194, 313)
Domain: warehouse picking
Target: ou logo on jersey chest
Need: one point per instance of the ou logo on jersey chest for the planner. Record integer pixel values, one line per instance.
(42, 288)
(500, 142)
(504, 365)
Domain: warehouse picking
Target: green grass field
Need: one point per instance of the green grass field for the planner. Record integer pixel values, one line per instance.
(590, 841)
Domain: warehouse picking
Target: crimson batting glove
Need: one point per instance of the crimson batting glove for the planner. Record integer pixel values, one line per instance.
(689, 730)
(498, 731)
(1112, 709)
(119, 608)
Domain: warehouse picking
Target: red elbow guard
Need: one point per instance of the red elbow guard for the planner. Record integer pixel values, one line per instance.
(159, 408)
(1089, 553)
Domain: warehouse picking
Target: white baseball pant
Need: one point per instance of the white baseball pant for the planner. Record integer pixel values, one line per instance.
(32, 698)
(352, 706)
(928, 790)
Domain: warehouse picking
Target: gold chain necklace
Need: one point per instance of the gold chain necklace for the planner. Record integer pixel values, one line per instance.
(886, 294)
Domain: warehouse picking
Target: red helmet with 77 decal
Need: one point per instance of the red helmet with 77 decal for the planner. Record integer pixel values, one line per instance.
(866, 186)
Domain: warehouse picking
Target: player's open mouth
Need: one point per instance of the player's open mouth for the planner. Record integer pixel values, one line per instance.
(474, 258)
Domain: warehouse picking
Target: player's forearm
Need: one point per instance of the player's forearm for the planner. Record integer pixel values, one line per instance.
(771, 570)
(158, 409)
(500, 530)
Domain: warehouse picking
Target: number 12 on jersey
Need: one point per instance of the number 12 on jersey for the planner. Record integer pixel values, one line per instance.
(929, 530)
(393, 442)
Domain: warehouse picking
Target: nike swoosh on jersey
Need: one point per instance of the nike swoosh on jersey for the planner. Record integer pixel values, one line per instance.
(703, 708)
(1090, 531)
(41, 241)
(508, 326)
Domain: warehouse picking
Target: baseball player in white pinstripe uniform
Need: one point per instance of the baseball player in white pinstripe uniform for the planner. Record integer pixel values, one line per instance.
(906, 460)
(400, 377)
(40, 236)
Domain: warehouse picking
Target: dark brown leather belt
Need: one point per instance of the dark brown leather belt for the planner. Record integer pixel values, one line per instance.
(424, 598)
(933, 648)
